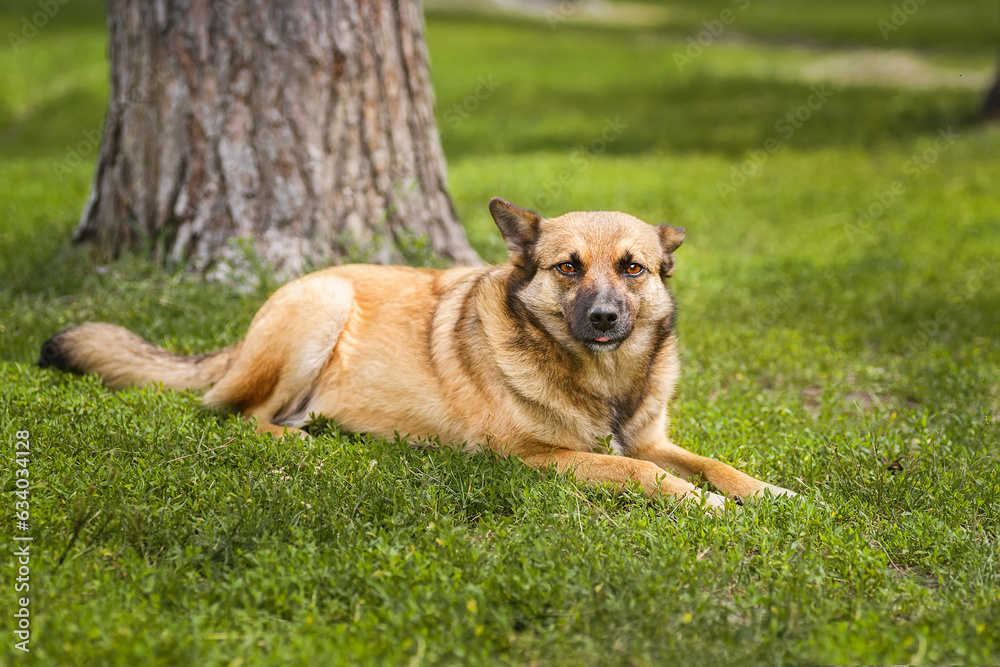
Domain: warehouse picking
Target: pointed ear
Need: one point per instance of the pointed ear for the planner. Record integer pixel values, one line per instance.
(671, 239)
(519, 228)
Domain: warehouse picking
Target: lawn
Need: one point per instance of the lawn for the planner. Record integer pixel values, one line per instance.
(840, 310)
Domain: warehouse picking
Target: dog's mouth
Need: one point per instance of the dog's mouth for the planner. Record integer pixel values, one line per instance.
(604, 342)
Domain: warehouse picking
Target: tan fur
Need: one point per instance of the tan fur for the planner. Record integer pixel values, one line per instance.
(123, 359)
(509, 357)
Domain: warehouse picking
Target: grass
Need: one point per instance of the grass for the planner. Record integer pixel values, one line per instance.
(966, 26)
(850, 357)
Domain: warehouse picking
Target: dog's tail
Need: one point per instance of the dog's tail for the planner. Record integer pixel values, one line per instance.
(123, 359)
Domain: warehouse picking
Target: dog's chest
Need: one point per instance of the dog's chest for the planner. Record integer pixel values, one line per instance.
(597, 426)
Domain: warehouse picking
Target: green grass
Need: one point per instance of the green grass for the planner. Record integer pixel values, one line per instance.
(819, 350)
(968, 25)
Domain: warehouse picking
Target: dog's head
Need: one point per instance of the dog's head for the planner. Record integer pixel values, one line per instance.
(589, 278)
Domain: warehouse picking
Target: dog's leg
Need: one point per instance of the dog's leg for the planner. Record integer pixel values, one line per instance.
(265, 413)
(618, 470)
(729, 480)
(289, 342)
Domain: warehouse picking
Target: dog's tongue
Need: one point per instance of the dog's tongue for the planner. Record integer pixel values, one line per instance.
(602, 339)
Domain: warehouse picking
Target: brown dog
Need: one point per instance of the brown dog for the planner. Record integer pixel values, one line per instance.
(545, 357)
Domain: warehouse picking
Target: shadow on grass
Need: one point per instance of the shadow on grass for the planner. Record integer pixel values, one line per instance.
(67, 15)
(606, 90)
(62, 127)
(876, 301)
(709, 114)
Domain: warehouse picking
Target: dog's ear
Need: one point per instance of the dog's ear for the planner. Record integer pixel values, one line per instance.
(671, 239)
(519, 228)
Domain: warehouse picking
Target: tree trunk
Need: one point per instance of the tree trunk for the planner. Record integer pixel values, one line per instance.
(990, 111)
(306, 125)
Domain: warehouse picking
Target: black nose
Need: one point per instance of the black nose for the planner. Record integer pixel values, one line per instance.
(603, 317)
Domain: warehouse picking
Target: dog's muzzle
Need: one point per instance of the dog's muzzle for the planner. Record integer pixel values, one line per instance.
(604, 327)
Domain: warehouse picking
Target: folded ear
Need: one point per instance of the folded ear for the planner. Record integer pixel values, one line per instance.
(671, 239)
(519, 228)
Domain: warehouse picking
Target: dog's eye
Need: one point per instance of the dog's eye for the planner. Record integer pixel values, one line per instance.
(567, 268)
(635, 269)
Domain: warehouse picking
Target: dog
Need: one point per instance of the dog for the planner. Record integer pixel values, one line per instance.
(564, 356)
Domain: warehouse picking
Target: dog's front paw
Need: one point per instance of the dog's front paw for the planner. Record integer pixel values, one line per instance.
(772, 490)
(712, 503)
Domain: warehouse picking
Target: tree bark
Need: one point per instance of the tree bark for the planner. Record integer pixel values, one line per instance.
(990, 111)
(305, 125)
